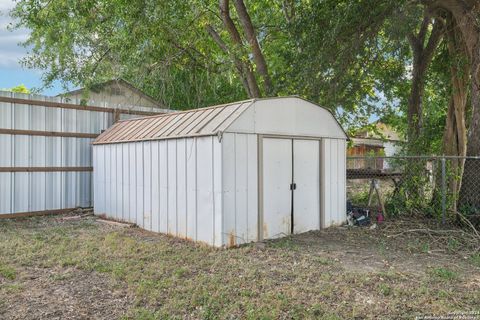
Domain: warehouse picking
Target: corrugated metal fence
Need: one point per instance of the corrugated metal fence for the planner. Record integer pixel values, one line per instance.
(46, 152)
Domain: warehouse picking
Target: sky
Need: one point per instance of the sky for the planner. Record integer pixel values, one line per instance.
(11, 72)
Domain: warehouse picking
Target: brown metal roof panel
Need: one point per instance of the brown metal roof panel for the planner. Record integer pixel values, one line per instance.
(159, 129)
(134, 128)
(146, 126)
(175, 118)
(205, 121)
(185, 123)
(104, 135)
(126, 127)
(159, 123)
(225, 114)
(224, 125)
(202, 114)
(117, 129)
(186, 117)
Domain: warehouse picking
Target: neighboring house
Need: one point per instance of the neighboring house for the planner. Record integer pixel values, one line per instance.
(115, 94)
(383, 142)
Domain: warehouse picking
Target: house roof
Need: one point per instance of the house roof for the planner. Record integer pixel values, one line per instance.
(121, 82)
(198, 122)
(383, 132)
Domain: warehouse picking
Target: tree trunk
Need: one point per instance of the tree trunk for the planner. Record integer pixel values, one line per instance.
(252, 40)
(254, 90)
(465, 13)
(455, 136)
(422, 56)
(470, 191)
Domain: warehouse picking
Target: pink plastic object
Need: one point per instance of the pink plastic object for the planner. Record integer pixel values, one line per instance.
(380, 217)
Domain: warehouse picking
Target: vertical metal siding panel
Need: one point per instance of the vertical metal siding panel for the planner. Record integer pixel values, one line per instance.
(334, 170)
(163, 173)
(119, 178)
(70, 177)
(191, 188)
(37, 158)
(241, 174)
(6, 147)
(5, 192)
(85, 161)
(98, 195)
(108, 180)
(342, 191)
(87, 198)
(205, 190)
(37, 181)
(155, 187)
(20, 192)
(252, 188)
(328, 185)
(132, 183)
(113, 181)
(229, 194)
(94, 175)
(139, 167)
(6, 144)
(103, 177)
(172, 186)
(21, 151)
(21, 157)
(63, 162)
(147, 192)
(181, 188)
(217, 167)
(126, 183)
(53, 179)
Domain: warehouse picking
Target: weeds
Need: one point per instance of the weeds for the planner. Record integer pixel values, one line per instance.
(7, 272)
(475, 259)
(444, 273)
(305, 276)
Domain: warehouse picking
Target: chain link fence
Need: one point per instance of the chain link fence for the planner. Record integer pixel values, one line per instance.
(444, 187)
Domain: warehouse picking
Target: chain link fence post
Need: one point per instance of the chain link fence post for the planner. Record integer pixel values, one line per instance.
(444, 190)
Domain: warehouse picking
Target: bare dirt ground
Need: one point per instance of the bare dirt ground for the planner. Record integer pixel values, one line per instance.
(77, 268)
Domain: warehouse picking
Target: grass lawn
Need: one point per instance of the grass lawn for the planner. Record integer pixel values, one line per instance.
(57, 268)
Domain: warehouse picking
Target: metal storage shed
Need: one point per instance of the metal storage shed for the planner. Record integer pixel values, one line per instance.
(225, 175)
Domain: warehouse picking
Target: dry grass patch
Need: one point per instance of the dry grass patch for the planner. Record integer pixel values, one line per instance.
(106, 272)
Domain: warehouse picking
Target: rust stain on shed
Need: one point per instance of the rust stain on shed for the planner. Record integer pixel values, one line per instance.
(231, 239)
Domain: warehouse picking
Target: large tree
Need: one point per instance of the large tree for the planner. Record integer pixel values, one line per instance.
(187, 53)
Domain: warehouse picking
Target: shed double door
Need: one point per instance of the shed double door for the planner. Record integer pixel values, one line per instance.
(291, 186)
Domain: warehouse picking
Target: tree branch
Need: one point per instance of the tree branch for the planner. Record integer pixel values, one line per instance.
(254, 91)
(238, 64)
(252, 40)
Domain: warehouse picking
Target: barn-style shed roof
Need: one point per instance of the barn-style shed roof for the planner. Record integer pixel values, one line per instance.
(197, 122)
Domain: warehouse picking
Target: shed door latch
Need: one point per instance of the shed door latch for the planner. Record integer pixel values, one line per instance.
(293, 186)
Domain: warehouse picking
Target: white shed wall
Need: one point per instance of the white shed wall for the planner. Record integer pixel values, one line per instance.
(171, 186)
(333, 178)
(240, 188)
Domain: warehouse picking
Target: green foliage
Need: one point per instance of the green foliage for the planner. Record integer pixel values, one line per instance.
(19, 89)
(351, 56)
